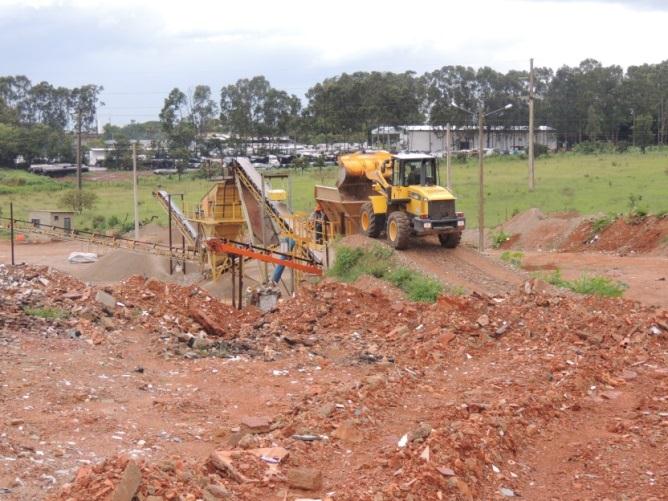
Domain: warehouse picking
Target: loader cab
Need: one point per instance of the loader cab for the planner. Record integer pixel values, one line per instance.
(414, 169)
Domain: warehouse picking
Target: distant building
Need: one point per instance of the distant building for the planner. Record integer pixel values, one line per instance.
(432, 138)
(58, 218)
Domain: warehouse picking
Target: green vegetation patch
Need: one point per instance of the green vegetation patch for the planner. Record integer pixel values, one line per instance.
(600, 224)
(353, 262)
(513, 258)
(596, 285)
(499, 238)
(48, 313)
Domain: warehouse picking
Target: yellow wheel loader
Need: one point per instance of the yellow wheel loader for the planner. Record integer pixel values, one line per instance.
(398, 195)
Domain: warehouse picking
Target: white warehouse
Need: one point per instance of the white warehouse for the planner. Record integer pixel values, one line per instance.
(432, 138)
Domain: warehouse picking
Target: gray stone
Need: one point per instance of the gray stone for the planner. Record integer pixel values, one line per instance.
(106, 300)
(509, 493)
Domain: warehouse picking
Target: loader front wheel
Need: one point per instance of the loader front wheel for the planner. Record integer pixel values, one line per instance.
(450, 240)
(371, 223)
(398, 230)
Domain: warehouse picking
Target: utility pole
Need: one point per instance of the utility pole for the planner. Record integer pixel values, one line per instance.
(532, 167)
(79, 152)
(481, 181)
(448, 157)
(134, 189)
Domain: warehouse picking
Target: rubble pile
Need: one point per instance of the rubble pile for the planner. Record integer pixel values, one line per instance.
(49, 303)
(534, 359)
(425, 401)
(188, 319)
(121, 478)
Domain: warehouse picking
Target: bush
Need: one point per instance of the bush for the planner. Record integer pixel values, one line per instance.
(99, 222)
(113, 221)
(461, 157)
(594, 147)
(345, 266)
(499, 238)
(78, 201)
(540, 150)
(622, 146)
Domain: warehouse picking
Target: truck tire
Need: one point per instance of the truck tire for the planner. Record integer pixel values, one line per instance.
(370, 222)
(450, 240)
(398, 230)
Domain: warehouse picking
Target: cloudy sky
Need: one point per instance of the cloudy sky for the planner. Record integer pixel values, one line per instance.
(139, 50)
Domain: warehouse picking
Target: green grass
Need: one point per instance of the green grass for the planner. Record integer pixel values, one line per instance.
(47, 313)
(566, 181)
(353, 262)
(513, 258)
(600, 224)
(595, 285)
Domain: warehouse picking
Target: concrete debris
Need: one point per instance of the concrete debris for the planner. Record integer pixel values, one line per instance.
(476, 385)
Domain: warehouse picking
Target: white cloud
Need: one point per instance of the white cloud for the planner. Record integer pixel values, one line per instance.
(149, 47)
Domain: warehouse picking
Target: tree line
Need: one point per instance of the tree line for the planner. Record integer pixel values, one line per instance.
(35, 118)
(587, 102)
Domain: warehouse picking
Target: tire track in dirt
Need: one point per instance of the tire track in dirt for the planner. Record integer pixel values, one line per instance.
(462, 267)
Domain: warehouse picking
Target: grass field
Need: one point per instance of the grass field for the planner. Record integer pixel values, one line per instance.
(565, 182)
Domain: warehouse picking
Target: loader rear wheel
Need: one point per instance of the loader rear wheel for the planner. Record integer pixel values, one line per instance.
(371, 223)
(450, 240)
(398, 230)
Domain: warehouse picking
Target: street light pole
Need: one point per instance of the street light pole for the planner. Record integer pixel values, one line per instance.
(532, 165)
(481, 182)
(481, 174)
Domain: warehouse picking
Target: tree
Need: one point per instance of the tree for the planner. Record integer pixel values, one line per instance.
(78, 200)
(83, 106)
(254, 108)
(119, 155)
(204, 110)
(642, 131)
(176, 121)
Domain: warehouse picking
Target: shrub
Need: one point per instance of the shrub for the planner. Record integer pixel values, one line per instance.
(622, 146)
(540, 150)
(99, 222)
(345, 266)
(78, 201)
(499, 238)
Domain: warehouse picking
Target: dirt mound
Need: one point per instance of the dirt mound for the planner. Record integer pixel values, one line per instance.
(121, 264)
(624, 236)
(153, 232)
(534, 230)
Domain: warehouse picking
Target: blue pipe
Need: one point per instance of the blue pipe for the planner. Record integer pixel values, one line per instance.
(278, 272)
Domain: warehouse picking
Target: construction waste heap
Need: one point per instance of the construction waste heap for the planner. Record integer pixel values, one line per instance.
(153, 391)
